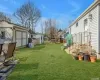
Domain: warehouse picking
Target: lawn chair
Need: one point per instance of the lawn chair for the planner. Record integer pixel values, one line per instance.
(1, 48)
(7, 63)
(1, 64)
(9, 53)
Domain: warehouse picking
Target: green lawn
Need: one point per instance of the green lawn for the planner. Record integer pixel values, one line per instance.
(49, 62)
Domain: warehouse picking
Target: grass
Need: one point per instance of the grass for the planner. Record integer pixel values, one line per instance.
(49, 62)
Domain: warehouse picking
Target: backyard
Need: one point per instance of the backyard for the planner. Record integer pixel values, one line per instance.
(49, 62)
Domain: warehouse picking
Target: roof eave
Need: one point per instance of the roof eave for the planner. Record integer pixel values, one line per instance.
(86, 12)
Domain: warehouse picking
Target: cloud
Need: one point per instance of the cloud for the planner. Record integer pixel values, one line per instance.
(40, 24)
(14, 2)
(76, 6)
(64, 20)
(43, 6)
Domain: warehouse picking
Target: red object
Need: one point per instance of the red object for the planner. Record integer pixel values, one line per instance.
(64, 41)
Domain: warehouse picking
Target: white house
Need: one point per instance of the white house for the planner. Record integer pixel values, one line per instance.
(10, 32)
(89, 21)
(39, 38)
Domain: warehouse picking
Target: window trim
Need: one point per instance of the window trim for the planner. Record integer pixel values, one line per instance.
(85, 23)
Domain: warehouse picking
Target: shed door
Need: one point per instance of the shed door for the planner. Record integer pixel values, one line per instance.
(18, 38)
(24, 38)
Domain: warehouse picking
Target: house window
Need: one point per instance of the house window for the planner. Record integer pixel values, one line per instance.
(77, 24)
(90, 17)
(2, 35)
(86, 24)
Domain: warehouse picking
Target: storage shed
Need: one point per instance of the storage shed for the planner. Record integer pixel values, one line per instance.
(10, 32)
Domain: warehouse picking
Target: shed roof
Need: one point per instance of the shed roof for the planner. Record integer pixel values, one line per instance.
(15, 25)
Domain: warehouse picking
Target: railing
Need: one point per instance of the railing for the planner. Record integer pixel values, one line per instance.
(82, 38)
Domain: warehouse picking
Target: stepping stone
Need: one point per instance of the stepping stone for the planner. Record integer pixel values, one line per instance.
(2, 78)
(6, 69)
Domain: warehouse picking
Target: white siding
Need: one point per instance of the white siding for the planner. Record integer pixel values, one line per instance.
(8, 35)
(24, 38)
(93, 26)
(18, 38)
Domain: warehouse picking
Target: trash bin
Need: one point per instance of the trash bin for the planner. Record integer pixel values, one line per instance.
(30, 44)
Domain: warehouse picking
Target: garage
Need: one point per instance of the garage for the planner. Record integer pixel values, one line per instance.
(21, 38)
(24, 38)
(11, 32)
(18, 38)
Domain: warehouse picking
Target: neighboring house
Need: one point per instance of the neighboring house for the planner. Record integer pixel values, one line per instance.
(39, 37)
(89, 21)
(10, 32)
(60, 33)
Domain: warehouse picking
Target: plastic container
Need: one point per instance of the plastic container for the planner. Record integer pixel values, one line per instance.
(86, 57)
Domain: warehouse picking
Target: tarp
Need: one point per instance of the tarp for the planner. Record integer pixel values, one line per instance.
(69, 39)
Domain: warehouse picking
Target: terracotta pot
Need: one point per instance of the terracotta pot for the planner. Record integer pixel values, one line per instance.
(93, 58)
(80, 57)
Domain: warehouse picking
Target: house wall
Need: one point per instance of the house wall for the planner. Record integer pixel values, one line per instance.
(20, 36)
(99, 32)
(4, 26)
(40, 38)
(93, 27)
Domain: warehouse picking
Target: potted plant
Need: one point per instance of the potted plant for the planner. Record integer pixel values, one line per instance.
(80, 56)
(75, 54)
(93, 56)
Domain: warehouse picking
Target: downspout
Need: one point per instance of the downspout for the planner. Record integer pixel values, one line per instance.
(98, 54)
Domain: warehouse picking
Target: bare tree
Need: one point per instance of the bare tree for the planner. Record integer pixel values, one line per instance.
(4, 17)
(51, 29)
(28, 14)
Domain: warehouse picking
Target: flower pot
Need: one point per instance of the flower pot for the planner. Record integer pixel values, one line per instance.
(86, 57)
(93, 58)
(80, 57)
